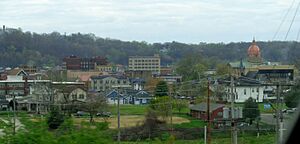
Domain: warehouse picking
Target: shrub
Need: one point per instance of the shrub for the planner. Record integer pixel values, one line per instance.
(55, 119)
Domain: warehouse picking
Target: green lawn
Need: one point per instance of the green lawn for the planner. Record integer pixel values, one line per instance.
(36, 131)
(264, 139)
(194, 123)
(128, 109)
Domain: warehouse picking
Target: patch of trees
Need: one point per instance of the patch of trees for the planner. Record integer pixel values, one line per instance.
(18, 47)
(292, 98)
(251, 111)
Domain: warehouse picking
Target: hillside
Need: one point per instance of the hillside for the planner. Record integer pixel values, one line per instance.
(18, 47)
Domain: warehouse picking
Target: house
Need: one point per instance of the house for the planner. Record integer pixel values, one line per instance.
(129, 96)
(138, 83)
(17, 85)
(70, 93)
(199, 111)
(113, 96)
(106, 82)
(141, 97)
(244, 88)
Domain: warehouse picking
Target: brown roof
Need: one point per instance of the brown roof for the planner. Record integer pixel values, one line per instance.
(69, 89)
(15, 71)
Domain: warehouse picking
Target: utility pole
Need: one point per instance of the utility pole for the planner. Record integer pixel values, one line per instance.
(171, 110)
(208, 113)
(14, 103)
(233, 125)
(119, 132)
(279, 116)
(118, 108)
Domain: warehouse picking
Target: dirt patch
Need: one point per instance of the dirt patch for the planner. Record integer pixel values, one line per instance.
(127, 121)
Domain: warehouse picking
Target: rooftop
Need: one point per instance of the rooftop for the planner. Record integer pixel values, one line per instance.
(203, 107)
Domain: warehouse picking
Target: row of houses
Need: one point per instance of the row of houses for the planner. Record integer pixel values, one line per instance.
(32, 93)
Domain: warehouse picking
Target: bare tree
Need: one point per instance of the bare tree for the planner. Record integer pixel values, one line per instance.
(94, 103)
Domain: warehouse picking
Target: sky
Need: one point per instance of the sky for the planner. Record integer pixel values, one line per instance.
(188, 21)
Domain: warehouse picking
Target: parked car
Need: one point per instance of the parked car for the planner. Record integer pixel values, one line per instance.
(104, 114)
(81, 113)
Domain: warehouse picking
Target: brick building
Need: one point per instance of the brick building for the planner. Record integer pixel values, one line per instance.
(76, 63)
(199, 111)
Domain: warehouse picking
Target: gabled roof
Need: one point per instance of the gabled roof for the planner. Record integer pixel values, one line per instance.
(113, 94)
(71, 88)
(128, 93)
(16, 72)
(138, 80)
(203, 107)
(142, 94)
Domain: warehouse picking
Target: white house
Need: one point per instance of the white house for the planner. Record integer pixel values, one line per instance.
(245, 88)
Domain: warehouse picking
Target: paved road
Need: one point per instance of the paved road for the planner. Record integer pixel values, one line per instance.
(268, 118)
(287, 121)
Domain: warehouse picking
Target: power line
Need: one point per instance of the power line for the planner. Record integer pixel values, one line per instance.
(292, 21)
(282, 21)
(298, 35)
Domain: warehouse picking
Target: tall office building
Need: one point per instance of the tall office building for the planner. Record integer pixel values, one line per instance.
(144, 63)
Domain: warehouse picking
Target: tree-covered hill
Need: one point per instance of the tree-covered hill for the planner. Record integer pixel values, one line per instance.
(18, 47)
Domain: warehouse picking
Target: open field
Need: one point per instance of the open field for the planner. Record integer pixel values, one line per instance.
(128, 109)
(264, 139)
(128, 121)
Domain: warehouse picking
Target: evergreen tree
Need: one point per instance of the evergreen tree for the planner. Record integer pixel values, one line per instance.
(55, 119)
(251, 110)
(161, 89)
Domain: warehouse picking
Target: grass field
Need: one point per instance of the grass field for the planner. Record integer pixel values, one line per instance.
(264, 139)
(128, 109)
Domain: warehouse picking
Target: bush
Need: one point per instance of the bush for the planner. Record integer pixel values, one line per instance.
(55, 119)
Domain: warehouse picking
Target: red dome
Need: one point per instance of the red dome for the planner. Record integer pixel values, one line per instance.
(253, 50)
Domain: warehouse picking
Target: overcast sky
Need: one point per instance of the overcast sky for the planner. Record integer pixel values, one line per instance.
(190, 21)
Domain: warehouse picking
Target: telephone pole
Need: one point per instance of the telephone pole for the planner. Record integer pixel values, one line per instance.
(233, 124)
(119, 132)
(279, 116)
(208, 113)
(14, 103)
(118, 108)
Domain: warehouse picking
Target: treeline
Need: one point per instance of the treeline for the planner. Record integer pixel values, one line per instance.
(18, 47)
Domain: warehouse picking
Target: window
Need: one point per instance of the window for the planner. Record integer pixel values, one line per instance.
(245, 92)
(257, 90)
(253, 90)
(81, 96)
(74, 97)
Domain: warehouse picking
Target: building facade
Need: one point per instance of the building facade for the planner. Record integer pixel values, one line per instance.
(83, 64)
(144, 63)
(106, 82)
